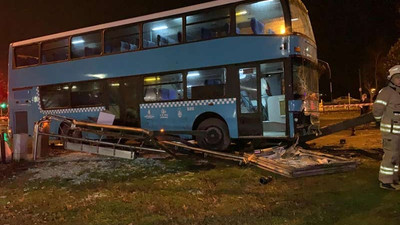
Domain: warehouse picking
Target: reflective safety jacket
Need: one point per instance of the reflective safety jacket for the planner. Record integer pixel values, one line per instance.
(387, 109)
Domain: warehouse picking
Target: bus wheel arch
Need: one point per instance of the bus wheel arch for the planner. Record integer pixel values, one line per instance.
(217, 137)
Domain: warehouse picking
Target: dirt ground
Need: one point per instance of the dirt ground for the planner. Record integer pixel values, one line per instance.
(77, 188)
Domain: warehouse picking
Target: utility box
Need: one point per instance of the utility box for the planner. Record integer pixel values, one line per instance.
(20, 146)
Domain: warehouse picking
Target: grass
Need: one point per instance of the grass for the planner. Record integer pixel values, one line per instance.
(177, 194)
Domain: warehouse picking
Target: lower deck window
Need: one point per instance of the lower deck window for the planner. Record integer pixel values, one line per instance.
(55, 96)
(86, 94)
(203, 84)
(163, 88)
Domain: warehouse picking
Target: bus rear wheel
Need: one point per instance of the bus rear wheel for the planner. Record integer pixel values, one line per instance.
(217, 136)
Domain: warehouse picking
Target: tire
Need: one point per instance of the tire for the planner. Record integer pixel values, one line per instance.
(217, 137)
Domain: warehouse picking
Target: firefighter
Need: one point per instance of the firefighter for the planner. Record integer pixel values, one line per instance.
(387, 112)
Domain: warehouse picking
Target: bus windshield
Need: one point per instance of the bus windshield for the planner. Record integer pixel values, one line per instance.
(305, 81)
(300, 20)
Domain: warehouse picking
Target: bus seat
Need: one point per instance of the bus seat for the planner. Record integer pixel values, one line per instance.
(226, 28)
(150, 94)
(237, 30)
(206, 34)
(161, 41)
(256, 26)
(124, 46)
(164, 94)
(173, 95)
(108, 48)
(133, 47)
(212, 82)
(88, 51)
(270, 31)
(148, 44)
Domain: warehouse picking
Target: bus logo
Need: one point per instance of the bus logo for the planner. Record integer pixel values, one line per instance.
(163, 114)
(149, 116)
(179, 114)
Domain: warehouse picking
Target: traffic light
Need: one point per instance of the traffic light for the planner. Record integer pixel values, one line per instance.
(3, 105)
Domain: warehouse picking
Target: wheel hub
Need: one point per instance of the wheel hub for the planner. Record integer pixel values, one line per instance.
(214, 135)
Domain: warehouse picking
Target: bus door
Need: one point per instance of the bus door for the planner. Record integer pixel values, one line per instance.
(249, 118)
(272, 96)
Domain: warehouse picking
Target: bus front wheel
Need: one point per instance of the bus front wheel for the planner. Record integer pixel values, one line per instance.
(216, 137)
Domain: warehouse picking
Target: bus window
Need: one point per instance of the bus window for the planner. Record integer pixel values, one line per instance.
(162, 32)
(55, 50)
(300, 20)
(207, 25)
(121, 39)
(263, 17)
(248, 90)
(203, 84)
(27, 55)
(54, 96)
(86, 94)
(163, 88)
(86, 45)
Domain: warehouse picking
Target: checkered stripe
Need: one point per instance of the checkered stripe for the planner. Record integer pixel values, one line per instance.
(74, 110)
(222, 101)
(70, 110)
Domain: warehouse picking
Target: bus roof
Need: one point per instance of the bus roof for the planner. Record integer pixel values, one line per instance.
(128, 21)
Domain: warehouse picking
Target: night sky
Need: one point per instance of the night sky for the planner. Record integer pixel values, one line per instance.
(349, 33)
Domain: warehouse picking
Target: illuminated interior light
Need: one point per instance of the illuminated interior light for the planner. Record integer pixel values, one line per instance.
(260, 3)
(295, 19)
(241, 13)
(99, 75)
(65, 87)
(160, 28)
(195, 74)
(283, 29)
(74, 87)
(115, 85)
(150, 79)
(80, 41)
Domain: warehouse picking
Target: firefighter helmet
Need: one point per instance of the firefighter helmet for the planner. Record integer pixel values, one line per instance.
(393, 71)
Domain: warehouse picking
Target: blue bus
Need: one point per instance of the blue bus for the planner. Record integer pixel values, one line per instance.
(237, 69)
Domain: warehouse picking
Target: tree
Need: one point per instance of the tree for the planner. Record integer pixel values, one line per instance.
(393, 57)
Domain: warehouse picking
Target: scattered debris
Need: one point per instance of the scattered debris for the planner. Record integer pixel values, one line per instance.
(291, 162)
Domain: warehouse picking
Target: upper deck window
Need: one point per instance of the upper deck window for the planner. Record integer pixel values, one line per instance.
(121, 39)
(207, 25)
(55, 50)
(86, 45)
(162, 32)
(27, 55)
(264, 17)
(300, 20)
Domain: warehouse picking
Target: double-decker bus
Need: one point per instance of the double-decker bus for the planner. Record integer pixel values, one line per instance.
(237, 69)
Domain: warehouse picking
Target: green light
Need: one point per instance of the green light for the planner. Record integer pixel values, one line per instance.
(5, 137)
(3, 105)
